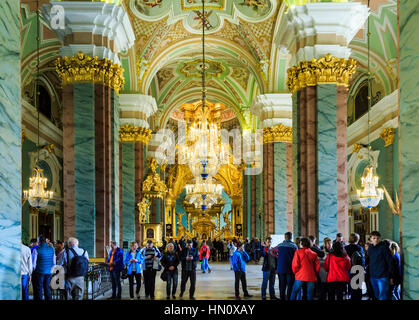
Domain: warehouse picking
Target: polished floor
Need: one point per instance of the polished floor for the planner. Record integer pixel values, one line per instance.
(217, 285)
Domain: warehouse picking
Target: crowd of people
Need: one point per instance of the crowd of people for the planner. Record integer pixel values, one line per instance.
(305, 271)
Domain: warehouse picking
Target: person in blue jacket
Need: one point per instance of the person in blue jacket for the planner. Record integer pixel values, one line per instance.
(115, 262)
(239, 259)
(285, 253)
(133, 261)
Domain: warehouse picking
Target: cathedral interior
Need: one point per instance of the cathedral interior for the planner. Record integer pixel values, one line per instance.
(306, 105)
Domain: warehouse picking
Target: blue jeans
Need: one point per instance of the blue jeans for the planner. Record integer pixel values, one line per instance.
(116, 284)
(381, 287)
(25, 288)
(172, 280)
(268, 276)
(286, 282)
(296, 289)
(204, 265)
(41, 286)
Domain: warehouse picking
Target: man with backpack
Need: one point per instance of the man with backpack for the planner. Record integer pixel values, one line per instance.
(75, 261)
(204, 255)
(357, 256)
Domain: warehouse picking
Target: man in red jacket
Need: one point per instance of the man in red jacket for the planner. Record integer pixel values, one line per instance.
(306, 267)
(204, 255)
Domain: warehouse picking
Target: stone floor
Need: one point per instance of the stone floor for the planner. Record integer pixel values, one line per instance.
(217, 285)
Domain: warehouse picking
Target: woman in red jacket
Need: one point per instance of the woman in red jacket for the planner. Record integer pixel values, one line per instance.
(337, 264)
(306, 267)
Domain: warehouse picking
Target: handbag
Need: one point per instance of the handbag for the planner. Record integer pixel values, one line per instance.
(156, 265)
(164, 275)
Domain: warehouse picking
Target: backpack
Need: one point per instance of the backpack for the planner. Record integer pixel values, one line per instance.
(357, 259)
(204, 251)
(78, 266)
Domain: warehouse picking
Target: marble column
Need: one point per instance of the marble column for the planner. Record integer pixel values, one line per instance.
(139, 178)
(114, 177)
(128, 192)
(254, 218)
(317, 36)
(409, 144)
(10, 155)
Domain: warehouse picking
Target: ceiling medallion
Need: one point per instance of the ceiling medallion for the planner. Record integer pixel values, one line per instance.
(194, 68)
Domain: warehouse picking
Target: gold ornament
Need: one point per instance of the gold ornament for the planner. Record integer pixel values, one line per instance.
(326, 70)
(83, 68)
(143, 207)
(388, 136)
(129, 133)
(278, 133)
(357, 148)
(153, 186)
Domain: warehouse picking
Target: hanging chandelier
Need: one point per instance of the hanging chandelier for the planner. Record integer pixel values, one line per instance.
(37, 196)
(203, 193)
(203, 150)
(370, 196)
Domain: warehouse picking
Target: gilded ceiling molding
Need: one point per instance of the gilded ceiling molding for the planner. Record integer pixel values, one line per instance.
(278, 133)
(326, 70)
(130, 133)
(388, 136)
(83, 68)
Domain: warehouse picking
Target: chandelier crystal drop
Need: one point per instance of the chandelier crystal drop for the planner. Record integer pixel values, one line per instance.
(37, 196)
(370, 196)
(203, 193)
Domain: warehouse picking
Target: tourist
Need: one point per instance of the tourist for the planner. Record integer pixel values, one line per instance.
(75, 261)
(226, 251)
(189, 258)
(268, 269)
(133, 262)
(315, 248)
(182, 243)
(25, 270)
(306, 267)
(285, 252)
(115, 262)
(380, 262)
(297, 242)
(152, 256)
(339, 238)
(33, 244)
(337, 265)
(231, 249)
(59, 250)
(397, 272)
(370, 291)
(239, 259)
(170, 261)
(357, 256)
(43, 258)
(327, 245)
(204, 255)
(195, 242)
(257, 250)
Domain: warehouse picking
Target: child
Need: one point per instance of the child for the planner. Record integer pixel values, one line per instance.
(239, 259)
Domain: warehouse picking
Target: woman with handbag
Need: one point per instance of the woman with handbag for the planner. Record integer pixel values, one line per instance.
(170, 261)
(133, 261)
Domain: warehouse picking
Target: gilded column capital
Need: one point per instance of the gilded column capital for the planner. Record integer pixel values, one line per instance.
(278, 133)
(388, 136)
(83, 68)
(326, 70)
(129, 133)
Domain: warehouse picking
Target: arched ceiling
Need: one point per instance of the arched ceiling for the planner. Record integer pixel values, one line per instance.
(168, 51)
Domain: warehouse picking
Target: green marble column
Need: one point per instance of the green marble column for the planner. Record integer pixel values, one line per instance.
(249, 205)
(115, 163)
(409, 143)
(280, 187)
(10, 154)
(84, 165)
(128, 191)
(295, 163)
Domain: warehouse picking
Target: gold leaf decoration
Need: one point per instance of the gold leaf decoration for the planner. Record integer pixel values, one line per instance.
(388, 136)
(329, 69)
(278, 133)
(130, 133)
(83, 68)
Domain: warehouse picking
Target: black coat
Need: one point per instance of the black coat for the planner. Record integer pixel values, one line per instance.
(169, 260)
(380, 261)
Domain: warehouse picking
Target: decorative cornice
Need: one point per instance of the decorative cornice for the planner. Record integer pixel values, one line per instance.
(278, 133)
(83, 68)
(329, 69)
(129, 133)
(388, 136)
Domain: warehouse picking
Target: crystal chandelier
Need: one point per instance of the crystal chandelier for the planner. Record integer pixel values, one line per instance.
(203, 193)
(370, 196)
(37, 196)
(204, 153)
